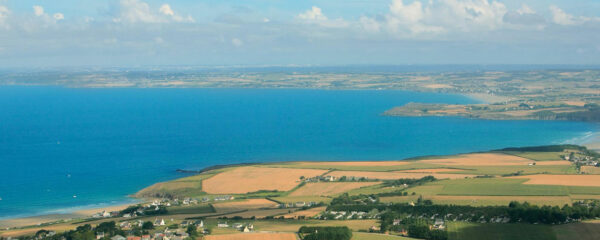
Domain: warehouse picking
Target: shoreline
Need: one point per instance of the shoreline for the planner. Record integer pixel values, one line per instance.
(590, 140)
(77, 213)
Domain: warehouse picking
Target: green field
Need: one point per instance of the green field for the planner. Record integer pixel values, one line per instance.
(288, 199)
(498, 187)
(538, 156)
(491, 231)
(500, 170)
(579, 231)
(196, 209)
(333, 166)
(374, 236)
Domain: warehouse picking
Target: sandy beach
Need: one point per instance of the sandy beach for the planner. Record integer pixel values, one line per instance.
(37, 220)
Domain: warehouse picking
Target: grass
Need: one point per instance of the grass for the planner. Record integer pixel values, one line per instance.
(498, 187)
(293, 225)
(538, 156)
(491, 231)
(525, 169)
(288, 199)
(409, 166)
(197, 209)
(584, 190)
(373, 190)
(579, 231)
(485, 200)
(376, 236)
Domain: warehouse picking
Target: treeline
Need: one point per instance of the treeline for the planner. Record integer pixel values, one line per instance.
(409, 181)
(515, 211)
(325, 233)
(547, 148)
(151, 211)
(553, 148)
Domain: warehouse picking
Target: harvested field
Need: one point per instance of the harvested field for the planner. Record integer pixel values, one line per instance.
(242, 205)
(251, 179)
(562, 180)
(488, 159)
(305, 213)
(328, 188)
(259, 214)
(253, 236)
(363, 163)
(590, 170)
(293, 225)
(395, 175)
(575, 103)
(437, 86)
(431, 170)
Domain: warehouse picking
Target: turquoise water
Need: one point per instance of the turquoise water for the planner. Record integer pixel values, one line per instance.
(103, 144)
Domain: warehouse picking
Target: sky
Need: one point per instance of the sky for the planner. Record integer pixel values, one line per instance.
(44, 33)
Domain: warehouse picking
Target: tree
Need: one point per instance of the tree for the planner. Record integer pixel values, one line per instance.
(147, 225)
(191, 230)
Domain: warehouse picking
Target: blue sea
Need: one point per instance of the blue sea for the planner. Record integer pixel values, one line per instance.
(103, 144)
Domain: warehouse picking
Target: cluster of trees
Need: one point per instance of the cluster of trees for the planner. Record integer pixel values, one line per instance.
(84, 232)
(345, 199)
(145, 211)
(325, 233)
(87, 232)
(353, 179)
(515, 211)
(551, 148)
(419, 228)
(409, 181)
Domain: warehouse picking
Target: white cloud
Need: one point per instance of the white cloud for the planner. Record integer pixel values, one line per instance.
(38, 10)
(314, 14)
(470, 15)
(266, 20)
(411, 13)
(524, 18)
(136, 11)
(58, 16)
(412, 18)
(4, 12)
(409, 18)
(560, 17)
(237, 42)
(166, 10)
(525, 10)
(369, 24)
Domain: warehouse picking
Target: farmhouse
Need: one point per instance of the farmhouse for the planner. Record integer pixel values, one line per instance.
(223, 225)
(160, 222)
(438, 224)
(118, 237)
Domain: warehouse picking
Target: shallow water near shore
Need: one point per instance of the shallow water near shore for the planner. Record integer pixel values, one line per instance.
(64, 148)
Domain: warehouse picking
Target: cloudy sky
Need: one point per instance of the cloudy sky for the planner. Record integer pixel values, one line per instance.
(284, 32)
